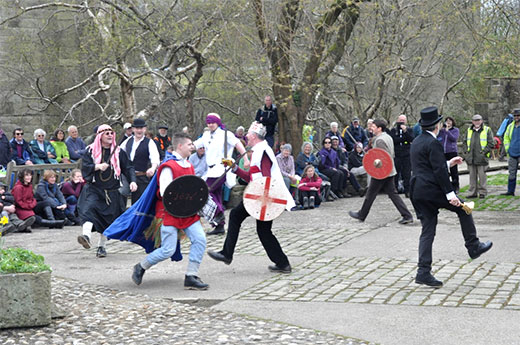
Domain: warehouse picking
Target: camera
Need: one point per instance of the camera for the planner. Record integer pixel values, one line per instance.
(399, 124)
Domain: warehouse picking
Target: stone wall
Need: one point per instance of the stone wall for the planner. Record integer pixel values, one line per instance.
(503, 95)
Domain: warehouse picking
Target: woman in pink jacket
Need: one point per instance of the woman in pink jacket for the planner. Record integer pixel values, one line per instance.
(309, 188)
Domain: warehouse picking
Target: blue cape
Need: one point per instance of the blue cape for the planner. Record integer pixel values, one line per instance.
(139, 225)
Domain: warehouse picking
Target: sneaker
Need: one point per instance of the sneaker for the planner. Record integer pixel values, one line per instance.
(24, 226)
(84, 240)
(101, 252)
(137, 275)
(311, 202)
(7, 229)
(194, 283)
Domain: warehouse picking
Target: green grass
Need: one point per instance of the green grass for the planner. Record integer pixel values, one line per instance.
(495, 202)
(19, 260)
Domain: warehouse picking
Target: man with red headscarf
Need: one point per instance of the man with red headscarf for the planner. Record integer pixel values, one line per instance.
(219, 143)
(100, 203)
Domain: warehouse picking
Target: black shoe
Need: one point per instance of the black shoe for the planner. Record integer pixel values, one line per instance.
(138, 274)
(339, 194)
(472, 196)
(429, 280)
(355, 215)
(481, 249)
(101, 252)
(407, 195)
(305, 203)
(219, 257)
(508, 193)
(347, 195)
(482, 196)
(24, 226)
(194, 283)
(406, 221)
(361, 192)
(278, 269)
(311, 202)
(67, 222)
(84, 241)
(218, 230)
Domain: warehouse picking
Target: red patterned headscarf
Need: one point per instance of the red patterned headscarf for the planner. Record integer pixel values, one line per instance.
(97, 149)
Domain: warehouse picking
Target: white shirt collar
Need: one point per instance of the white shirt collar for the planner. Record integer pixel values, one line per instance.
(434, 135)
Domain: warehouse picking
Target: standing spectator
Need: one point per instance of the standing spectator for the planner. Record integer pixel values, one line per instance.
(500, 133)
(403, 137)
(71, 190)
(127, 132)
(198, 159)
(5, 150)
(240, 134)
(268, 116)
(354, 134)
(75, 144)
(162, 140)
(286, 163)
(9, 210)
(383, 141)
(22, 154)
(335, 132)
(368, 131)
(417, 130)
(51, 202)
(477, 148)
(448, 136)
(512, 147)
(309, 188)
(328, 166)
(43, 151)
(58, 142)
(144, 154)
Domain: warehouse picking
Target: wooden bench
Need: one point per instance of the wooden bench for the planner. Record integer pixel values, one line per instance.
(62, 172)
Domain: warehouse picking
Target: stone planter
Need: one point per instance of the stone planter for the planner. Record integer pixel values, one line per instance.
(25, 299)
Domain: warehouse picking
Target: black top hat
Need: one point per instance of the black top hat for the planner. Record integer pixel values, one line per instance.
(429, 117)
(138, 123)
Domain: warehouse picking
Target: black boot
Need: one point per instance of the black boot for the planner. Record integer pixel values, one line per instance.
(52, 224)
(194, 283)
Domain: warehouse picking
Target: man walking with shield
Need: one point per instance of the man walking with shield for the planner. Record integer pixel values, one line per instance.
(264, 169)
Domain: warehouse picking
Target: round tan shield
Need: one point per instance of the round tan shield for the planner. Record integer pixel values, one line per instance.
(265, 198)
(378, 163)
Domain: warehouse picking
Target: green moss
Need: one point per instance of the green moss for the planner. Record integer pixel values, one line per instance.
(19, 260)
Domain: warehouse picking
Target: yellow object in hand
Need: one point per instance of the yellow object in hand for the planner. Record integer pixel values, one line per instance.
(227, 162)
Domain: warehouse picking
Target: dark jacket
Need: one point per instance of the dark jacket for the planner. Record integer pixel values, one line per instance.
(328, 159)
(162, 144)
(355, 160)
(7, 199)
(473, 153)
(402, 141)
(269, 118)
(5, 149)
(50, 193)
(358, 134)
(26, 152)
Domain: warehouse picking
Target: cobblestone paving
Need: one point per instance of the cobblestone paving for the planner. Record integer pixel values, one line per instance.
(391, 281)
(99, 315)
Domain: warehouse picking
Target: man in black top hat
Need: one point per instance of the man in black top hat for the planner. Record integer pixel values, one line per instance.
(430, 190)
(162, 140)
(144, 155)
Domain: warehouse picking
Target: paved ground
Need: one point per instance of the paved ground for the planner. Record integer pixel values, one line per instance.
(352, 283)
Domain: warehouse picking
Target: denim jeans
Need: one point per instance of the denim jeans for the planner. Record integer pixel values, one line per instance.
(195, 233)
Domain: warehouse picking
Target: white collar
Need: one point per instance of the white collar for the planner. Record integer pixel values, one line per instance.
(432, 133)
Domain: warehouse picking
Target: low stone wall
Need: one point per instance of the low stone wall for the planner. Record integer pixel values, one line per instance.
(25, 299)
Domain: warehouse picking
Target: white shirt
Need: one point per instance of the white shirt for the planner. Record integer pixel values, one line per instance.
(213, 142)
(166, 176)
(155, 158)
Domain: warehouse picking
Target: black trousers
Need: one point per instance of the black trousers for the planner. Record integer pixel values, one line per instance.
(454, 171)
(142, 183)
(387, 186)
(308, 194)
(337, 180)
(271, 245)
(427, 211)
(403, 166)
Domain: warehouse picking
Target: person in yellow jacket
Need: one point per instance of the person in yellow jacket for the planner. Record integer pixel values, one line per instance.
(512, 146)
(477, 148)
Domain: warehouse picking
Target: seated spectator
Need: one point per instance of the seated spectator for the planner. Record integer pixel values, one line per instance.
(335, 132)
(286, 163)
(355, 162)
(9, 210)
(306, 157)
(354, 134)
(343, 167)
(71, 190)
(51, 203)
(58, 142)
(25, 202)
(5, 150)
(309, 188)
(198, 159)
(75, 144)
(329, 163)
(43, 151)
(21, 152)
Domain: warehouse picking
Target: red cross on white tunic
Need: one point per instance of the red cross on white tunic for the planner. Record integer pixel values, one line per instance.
(270, 200)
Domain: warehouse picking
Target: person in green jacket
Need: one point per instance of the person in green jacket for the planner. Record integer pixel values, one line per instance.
(58, 142)
(477, 148)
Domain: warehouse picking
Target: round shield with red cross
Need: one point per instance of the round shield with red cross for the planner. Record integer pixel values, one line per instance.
(378, 163)
(265, 198)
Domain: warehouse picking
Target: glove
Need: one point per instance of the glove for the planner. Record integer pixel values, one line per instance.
(228, 162)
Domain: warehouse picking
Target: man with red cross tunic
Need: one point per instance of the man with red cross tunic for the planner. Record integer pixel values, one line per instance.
(179, 165)
(263, 163)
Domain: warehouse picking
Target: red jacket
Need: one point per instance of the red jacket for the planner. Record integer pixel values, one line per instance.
(24, 200)
(310, 183)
